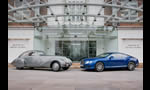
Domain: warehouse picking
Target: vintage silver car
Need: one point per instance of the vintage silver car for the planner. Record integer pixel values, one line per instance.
(38, 59)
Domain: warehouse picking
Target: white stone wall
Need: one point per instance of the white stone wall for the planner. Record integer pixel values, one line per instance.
(130, 41)
(19, 40)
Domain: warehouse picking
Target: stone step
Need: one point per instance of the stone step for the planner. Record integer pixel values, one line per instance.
(75, 65)
(140, 65)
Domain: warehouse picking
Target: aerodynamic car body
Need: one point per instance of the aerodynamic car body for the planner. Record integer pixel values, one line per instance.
(110, 60)
(38, 59)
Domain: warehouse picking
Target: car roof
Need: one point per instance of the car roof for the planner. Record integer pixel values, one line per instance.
(116, 53)
(34, 51)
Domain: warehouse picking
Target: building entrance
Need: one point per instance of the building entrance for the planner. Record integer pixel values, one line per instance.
(76, 50)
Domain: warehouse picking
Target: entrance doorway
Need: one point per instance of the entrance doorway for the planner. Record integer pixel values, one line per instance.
(76, 50)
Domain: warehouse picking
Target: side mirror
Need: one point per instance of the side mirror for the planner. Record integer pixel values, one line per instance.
(111, 57)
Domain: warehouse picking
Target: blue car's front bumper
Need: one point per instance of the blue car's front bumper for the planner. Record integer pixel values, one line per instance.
(87, 66)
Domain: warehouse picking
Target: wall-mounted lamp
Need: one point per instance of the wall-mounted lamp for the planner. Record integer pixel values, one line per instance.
(69, 19)
(56, 20)
(67, 13)
(65, 5)
(52, 14)
(98, 14)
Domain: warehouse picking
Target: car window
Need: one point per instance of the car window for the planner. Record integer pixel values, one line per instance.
(32, 53)
(103, 55)
(24, 54)
(119, 56)
(38, 53)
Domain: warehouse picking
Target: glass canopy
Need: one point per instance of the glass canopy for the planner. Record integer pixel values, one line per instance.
(74, 12)
(75, 28)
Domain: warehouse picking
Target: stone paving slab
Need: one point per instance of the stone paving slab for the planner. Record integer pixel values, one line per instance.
(75, 79)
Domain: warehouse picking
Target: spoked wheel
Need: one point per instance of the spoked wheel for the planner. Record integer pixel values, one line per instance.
(99, 67)
(56, 66)
(131, 66)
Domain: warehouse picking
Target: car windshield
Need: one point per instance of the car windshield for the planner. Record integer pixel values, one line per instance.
(103, 55)
(32, 53)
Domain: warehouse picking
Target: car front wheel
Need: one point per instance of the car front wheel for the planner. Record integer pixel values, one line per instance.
(56, 66)
(131, 66)
(99, 67)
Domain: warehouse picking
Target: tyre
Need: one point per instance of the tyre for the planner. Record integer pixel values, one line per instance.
(19, 68)
(99, 67)
(65, 68)
(131, 66)
(55, 66)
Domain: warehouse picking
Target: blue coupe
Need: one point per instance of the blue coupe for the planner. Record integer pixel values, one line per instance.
(110, 60)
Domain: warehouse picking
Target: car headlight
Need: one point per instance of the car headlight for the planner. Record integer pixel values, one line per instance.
(87, 62)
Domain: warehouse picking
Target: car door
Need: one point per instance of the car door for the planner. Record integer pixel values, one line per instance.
(33, 60)
(117, 60)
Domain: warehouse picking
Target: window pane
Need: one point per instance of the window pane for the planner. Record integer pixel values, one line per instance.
(92, 44)
(119, 56)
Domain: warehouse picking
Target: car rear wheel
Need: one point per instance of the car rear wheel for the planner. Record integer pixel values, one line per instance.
(99, 67)
(131, 66)
(65, 68)
(55, 66)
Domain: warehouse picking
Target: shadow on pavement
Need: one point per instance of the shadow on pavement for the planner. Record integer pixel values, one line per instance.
(48, 69)
(109, 70)
(38, 69)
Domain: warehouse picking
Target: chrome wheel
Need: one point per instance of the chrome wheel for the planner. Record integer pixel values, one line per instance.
(56, 66)
(131, 66)
(99, 67)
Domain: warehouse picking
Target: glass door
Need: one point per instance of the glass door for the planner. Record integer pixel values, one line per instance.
(76, 50)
